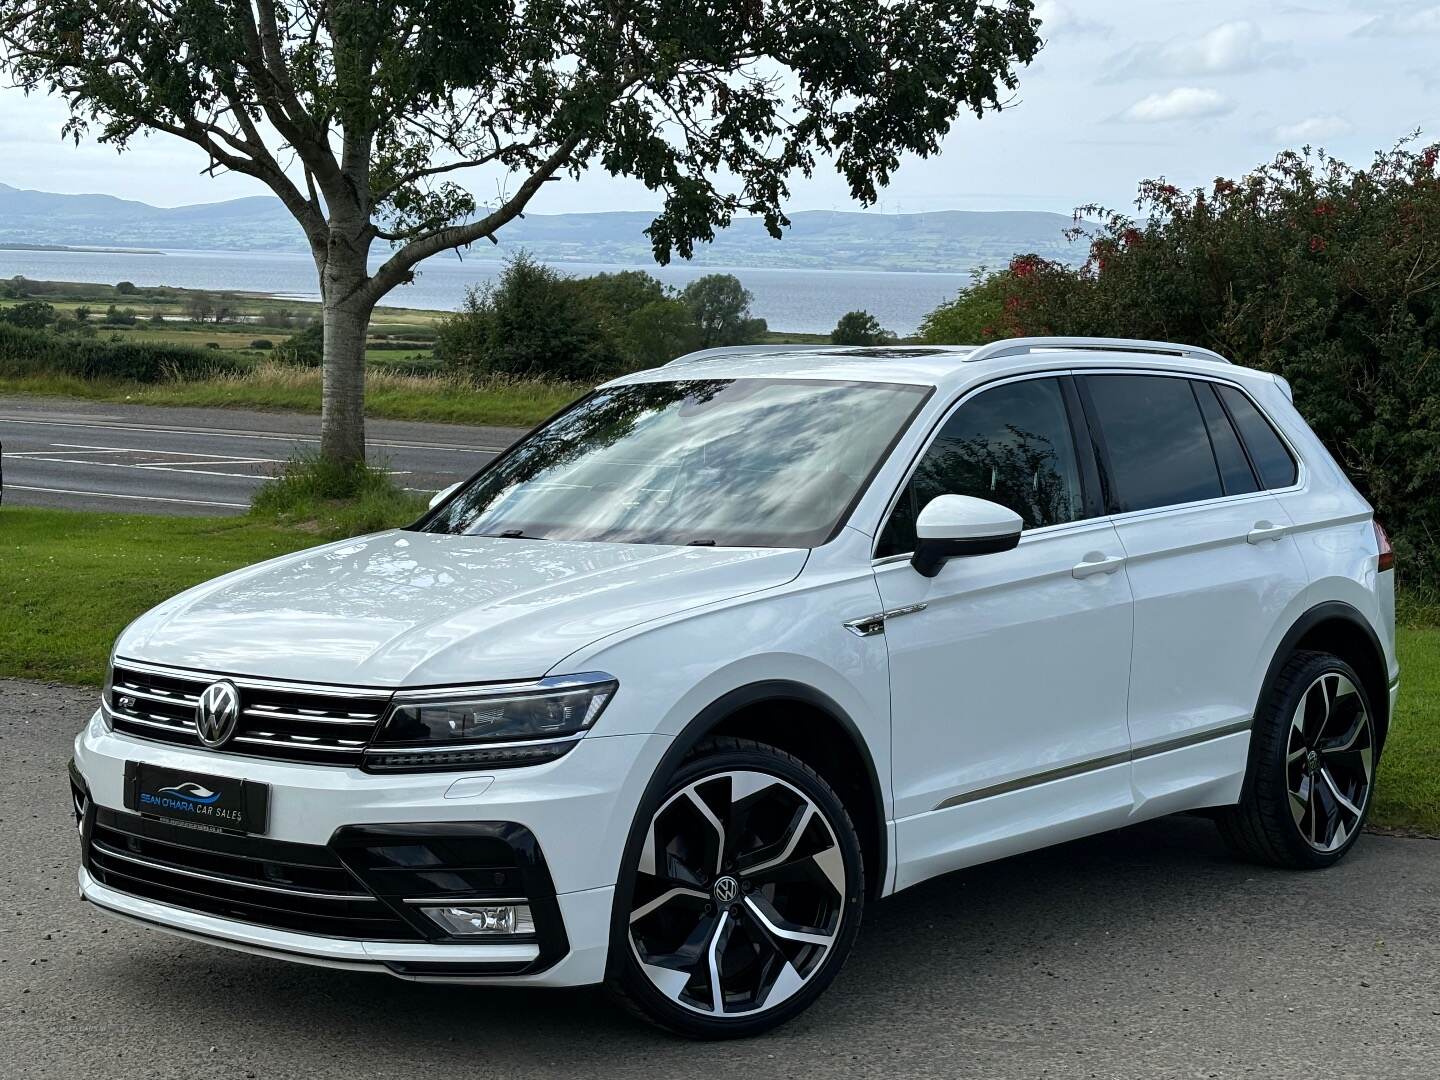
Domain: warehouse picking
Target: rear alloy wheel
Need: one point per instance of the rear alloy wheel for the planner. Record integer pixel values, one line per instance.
(1312, 767)
(744, 897)
(1330, 762)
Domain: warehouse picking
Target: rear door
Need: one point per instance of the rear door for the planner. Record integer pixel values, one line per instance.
(1212, 568)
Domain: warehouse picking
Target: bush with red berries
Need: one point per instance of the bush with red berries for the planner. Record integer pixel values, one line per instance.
(1321, 272)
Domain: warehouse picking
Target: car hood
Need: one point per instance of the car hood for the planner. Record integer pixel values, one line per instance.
(424, 609)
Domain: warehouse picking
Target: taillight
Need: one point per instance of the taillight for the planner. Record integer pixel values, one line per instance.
(1387, 553)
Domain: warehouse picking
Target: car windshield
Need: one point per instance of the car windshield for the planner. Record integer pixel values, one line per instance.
(730, 462)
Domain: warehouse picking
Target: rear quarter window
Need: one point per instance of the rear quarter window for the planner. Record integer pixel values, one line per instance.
(1271, 457)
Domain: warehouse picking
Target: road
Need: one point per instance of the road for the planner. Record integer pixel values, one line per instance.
(1145, 954)
(155, 460)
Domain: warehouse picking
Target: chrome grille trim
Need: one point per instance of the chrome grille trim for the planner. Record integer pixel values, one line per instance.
(310, 722)
(110, 852)
(247, 681)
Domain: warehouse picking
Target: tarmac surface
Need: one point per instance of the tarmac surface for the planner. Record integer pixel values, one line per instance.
(1146, 953)
(148, 459)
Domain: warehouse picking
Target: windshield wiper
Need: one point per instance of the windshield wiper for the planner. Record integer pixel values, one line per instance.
(701, 543)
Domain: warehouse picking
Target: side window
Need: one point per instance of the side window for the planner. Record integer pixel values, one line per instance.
(1011, 445)
(1158, 447)
(1272, 460)
(1235, 471)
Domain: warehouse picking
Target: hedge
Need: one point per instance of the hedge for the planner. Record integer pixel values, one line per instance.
(29, 352)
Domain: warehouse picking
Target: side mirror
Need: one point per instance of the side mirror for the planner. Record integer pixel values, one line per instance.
(441, 496)
(955, 526)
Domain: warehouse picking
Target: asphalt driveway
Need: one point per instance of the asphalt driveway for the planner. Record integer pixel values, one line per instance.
(1145, 953)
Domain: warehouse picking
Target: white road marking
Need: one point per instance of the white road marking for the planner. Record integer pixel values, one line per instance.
(93, 425)
(134, 450)
(115, 495)
(156, 467)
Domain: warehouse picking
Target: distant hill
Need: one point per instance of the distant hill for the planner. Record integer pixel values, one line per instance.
(942, 241)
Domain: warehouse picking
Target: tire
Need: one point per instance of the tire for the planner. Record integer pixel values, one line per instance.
(1311, 777)
(746, 870)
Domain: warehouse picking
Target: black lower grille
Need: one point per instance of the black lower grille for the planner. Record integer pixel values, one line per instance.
(273, 883)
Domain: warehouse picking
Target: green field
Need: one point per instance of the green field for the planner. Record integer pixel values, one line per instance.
(398, 352)
(71, 581)
(278, 388)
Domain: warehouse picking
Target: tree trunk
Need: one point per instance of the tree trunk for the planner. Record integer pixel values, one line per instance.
(342, 410)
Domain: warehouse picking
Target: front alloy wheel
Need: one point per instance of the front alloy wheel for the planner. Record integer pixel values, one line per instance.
(744, 896)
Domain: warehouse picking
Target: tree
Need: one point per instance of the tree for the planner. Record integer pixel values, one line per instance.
(659, 332)
(721, 306)
(359, 114)
(859, 328)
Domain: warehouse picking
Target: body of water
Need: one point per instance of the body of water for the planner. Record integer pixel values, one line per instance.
(802, 301)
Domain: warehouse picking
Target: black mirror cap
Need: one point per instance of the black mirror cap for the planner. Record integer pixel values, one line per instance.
(931, 555)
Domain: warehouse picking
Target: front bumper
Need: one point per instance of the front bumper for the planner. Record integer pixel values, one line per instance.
(575, 813)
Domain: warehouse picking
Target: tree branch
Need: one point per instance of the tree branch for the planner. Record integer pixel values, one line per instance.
(396, 269)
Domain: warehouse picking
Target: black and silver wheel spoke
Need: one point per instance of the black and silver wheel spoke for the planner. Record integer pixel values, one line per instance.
(739, 894)
(1329, 762)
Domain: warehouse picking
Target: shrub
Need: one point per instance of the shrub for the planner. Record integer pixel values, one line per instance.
(305, 349)
(859, 328)
(262, 343)
(531, 323)
(1306, 267)
(126, 288)
(30, 315)
(25, 351)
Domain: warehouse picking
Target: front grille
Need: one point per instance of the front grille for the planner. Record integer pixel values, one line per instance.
(325, 725)
(300, 887)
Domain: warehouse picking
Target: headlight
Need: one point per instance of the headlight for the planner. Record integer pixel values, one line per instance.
(492, 726)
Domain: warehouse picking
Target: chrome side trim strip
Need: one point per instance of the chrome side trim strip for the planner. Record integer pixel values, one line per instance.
(1064, 772)
(1035, 779)
(1193, 738)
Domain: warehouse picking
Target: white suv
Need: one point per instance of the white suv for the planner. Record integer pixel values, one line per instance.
(672, 689)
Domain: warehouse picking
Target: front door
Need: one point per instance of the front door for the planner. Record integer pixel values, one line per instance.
(1010, 671)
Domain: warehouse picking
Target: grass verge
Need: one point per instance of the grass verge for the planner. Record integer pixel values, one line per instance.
(278, 388)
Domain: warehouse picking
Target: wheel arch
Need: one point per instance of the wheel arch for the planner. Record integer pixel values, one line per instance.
(749, 711)
(1340, 629)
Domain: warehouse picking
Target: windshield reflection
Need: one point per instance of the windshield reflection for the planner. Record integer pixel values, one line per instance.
(729, 462)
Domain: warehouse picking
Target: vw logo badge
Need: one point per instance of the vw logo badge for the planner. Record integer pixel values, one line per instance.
(218, 713)
(726, 889)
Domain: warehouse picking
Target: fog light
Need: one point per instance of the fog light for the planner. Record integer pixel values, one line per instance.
(490, 920)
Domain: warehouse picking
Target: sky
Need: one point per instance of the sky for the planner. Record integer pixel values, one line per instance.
(1121, 92)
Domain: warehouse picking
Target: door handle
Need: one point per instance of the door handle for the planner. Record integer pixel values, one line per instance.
(1265, 530)
(1097, 563)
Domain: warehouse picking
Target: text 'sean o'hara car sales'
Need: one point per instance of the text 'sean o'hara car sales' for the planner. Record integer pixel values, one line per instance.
(670, 691)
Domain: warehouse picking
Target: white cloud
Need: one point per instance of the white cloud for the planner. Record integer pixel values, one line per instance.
(1056, 17)
(1403, 23)
(1312, 128)
(1227, 49)
(1182, 103)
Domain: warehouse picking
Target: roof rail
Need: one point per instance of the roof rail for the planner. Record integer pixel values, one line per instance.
(1020, 346)
(743, 350)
